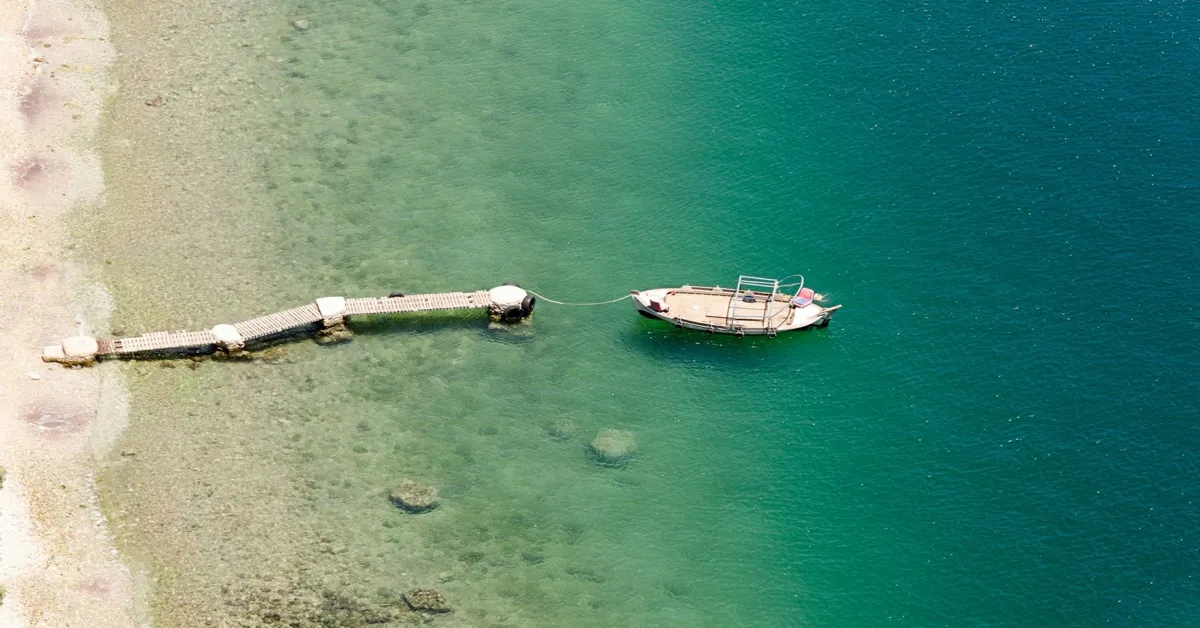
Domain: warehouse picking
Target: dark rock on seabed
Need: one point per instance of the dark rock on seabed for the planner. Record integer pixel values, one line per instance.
(561, 430)
(414, 497)
(427, 601)
(612, 448)
(306, 605)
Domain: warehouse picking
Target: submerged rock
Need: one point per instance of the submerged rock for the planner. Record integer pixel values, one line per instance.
(427, 601)
(472, 557)
(301, 24)
(561, 431)
(334, 334)
(533, 558)
(585, 573)
(414, 497)
(299, 601)
(612, 448)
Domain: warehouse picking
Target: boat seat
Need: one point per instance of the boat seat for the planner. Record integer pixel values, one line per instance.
(804, 298)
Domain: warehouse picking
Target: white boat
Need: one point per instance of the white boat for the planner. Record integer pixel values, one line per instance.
(758, 306)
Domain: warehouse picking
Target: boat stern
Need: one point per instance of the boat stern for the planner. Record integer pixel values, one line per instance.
(826, 314)
(811, 315)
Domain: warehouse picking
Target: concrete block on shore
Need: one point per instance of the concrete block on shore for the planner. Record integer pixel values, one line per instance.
(53, 353)
(332, 309)
(74, 351)
(80, 347)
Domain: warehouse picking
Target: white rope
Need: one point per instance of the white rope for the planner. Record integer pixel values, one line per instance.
(577, 304)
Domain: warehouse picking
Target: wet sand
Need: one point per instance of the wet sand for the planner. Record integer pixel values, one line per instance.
(57, 559)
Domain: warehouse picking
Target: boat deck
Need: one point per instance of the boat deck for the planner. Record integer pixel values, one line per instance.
(714, 307)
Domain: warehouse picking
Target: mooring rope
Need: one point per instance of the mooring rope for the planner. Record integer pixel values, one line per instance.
(577, 304)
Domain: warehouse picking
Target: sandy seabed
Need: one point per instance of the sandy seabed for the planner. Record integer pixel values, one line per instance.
(58, 564)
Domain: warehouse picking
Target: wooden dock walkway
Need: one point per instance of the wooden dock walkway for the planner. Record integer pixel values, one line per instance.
(419, 303)
(324, 313)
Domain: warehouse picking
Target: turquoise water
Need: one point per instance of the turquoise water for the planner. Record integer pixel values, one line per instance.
(998, 428)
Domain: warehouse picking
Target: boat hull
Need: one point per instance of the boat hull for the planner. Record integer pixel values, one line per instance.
(709, 310)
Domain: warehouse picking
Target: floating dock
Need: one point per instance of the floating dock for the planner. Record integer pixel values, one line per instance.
(508, 303)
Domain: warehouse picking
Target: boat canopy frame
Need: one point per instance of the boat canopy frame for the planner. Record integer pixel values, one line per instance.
(746, 286)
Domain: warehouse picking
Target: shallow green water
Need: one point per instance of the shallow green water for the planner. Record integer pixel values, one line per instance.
(998, 429)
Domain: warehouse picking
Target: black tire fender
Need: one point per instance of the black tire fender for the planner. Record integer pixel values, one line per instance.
(527, 305)
(511, 313)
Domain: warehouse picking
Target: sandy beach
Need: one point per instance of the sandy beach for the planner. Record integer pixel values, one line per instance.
(58, 564)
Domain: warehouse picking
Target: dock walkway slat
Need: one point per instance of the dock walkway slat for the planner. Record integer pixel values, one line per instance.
(279, 323)
(158, 341)
(418, 303)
